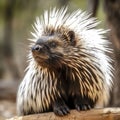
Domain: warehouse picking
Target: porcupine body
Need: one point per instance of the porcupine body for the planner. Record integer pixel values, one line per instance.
(68, 67)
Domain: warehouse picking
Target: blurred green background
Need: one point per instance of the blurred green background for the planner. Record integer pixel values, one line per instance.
(16, 19)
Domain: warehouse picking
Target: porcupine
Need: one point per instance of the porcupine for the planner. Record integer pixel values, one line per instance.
(68, 65)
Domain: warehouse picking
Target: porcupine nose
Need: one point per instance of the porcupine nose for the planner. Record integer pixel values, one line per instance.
(37, 48)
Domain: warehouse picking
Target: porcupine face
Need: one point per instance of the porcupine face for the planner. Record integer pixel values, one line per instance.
(49, 49)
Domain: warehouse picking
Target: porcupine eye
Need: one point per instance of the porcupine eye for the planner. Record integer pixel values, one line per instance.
(53, 44)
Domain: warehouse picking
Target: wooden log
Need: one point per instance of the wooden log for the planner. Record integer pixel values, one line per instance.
(94, 114)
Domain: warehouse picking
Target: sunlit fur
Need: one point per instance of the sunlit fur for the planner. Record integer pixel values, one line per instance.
(35, 94)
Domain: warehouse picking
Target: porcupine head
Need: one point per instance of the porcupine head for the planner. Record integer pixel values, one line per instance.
(68, 67)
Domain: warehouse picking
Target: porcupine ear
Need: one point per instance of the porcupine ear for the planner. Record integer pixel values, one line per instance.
(71, 35)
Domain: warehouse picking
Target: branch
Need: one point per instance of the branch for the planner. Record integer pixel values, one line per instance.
(93, 7)
(94, 114)
(8, 90)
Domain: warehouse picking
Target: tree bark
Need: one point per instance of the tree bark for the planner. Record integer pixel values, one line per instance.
(112, 9)
(94, 114)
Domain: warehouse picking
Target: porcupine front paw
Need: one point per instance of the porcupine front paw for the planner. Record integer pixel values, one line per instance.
(83, 104)
(60, 108)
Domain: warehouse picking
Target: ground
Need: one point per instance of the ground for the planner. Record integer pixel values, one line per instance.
(7, 109)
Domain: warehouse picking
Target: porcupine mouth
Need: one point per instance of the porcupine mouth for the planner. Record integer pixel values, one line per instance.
(40, 58)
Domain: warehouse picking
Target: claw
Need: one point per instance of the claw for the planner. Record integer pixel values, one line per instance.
(82, 107)
(61, 110)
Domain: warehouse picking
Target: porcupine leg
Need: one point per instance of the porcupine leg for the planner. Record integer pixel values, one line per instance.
(60, 108)
(83, 103)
